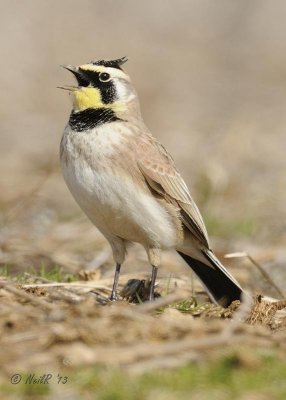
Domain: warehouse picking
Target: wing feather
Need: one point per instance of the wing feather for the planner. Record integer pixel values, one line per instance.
(160, 172)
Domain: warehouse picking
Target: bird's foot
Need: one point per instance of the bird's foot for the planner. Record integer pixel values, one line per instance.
(113, 297)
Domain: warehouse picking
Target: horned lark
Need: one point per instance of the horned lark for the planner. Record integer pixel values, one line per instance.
(127, 183)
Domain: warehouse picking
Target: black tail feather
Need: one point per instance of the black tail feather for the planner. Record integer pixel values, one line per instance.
(221, 286)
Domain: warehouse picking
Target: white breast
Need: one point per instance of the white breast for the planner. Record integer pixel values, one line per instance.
(113, 201)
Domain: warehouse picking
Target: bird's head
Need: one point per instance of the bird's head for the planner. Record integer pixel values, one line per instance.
(101, 84)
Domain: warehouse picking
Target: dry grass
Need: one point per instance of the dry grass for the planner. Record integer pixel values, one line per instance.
(74, 325)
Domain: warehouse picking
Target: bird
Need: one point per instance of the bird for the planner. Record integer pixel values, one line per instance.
(127, 183)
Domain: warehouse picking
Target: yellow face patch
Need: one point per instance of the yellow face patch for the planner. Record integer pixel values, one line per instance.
(89, 97)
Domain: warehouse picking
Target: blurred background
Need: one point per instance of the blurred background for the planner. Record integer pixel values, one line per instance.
(211, 78)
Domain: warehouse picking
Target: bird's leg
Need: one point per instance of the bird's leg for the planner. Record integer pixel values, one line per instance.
(153, 281)
(115, 282)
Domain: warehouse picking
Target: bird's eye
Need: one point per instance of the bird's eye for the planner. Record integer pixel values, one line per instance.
(104, 77)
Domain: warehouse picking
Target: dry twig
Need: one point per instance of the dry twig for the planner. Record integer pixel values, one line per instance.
(266, 276)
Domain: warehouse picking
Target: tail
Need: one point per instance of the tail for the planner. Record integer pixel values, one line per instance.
(221, 286)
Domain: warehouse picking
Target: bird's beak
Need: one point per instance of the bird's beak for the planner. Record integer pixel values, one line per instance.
(70, 68)
(69, 88)
(81, 80)
(74, 70)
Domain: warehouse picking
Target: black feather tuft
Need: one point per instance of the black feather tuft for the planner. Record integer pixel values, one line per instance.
(111, 63)
(91, 118)
(221, 286)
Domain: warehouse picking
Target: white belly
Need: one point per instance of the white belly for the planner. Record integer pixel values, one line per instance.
(114, 202)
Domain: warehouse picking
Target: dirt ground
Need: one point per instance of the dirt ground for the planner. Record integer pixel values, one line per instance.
(57, 329)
